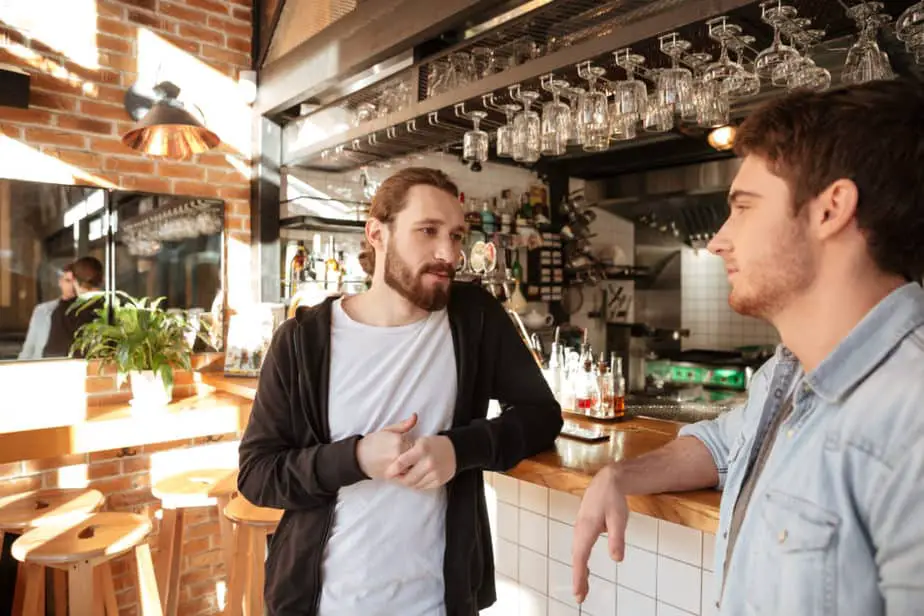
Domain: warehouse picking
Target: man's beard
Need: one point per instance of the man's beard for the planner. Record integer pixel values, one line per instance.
(400, 277)
(775, 280)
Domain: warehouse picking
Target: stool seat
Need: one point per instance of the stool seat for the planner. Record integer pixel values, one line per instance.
(197, 488)
(96, 537)
(242, 511)
(20, 512)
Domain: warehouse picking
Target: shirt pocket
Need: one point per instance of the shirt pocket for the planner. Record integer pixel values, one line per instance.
(799, 542)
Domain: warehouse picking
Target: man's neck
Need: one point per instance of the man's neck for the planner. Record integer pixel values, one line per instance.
(814, 325)
(382, 306)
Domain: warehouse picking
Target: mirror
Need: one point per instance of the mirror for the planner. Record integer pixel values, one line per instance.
(156, 245)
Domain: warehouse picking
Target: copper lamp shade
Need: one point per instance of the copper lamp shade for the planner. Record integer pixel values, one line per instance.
(170, 131)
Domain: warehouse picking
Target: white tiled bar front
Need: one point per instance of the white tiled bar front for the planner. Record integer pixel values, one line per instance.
(667, 570)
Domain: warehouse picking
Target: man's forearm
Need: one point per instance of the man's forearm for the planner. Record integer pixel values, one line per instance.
(682, 464)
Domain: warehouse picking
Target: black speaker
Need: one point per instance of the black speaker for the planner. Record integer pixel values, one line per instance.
(14, 88)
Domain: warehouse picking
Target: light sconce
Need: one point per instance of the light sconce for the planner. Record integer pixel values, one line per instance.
(169, 130)
(723, 137)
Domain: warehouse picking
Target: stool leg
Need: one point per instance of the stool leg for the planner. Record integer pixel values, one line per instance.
(226, 532)
(80, 590)
(19, 590)
(99, 607)
(107, 589)
(258, 574)
(59, 583)
(148, 598)
(238, 576)
(169, 560)
(33, 603)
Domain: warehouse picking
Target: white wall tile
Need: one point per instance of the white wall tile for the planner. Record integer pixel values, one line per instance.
(563, 506)
(708, 551)
(679, 584)
(642, 531)
(680, 542)
(709, 594)
(639, 571)
(631, 603)
(561, 538)
(601, 599)
(560, 583)
(669, 610)
(534, 570)
(508, 522)
(560, 609)
(534, 498)
(507, 489)
(506, 557)
(600, 563)
(533, 603)
(508, 598)
(534, 532)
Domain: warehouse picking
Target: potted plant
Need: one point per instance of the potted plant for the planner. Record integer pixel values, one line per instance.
(143, 341)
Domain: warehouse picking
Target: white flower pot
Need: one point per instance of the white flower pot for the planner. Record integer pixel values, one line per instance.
(149, 391)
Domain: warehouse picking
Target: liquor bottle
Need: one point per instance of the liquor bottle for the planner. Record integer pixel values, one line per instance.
(331, 268)
(470, 210)
(487, 218)
(297, 267)
(619, 386)
(607, 388)
(587, 392)
(516, 267)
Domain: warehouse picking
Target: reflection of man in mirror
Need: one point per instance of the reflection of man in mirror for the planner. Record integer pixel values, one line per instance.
(40, 322)
(88, 277)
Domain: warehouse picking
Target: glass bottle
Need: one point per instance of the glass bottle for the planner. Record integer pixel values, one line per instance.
(297, 267)
(619, 386)
(587, 392)
(607, 388)
(487, 218)
(331, 268)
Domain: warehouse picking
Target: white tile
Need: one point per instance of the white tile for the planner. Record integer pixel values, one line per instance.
(534, 570)
(669, 610)
(534, 532)
(560, 609)
(560, 583)
(563, 506)
(533, 603)
(508, 522)
(601, 564)
(506, 557)
(639, 571)
(561, 538)
(534, 498)
(489, 478)
(709, 551)
(709, 594)
(631, 603)
(679, 584)
(680, 542)
(508, 598)
(601, 598)
(507, 489)
(642, 531)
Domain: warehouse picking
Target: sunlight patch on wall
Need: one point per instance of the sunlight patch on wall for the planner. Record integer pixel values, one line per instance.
(68, 27)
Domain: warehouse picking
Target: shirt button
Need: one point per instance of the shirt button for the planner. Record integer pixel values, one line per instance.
(725, 535)
(782, 536)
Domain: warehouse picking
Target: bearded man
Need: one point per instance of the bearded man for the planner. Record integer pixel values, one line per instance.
(369, 425)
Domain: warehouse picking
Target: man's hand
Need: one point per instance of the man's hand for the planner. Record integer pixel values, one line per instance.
(430, 463)
(603, 508)
(377, 451)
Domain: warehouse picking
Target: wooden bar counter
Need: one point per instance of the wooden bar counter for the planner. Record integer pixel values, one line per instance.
(571, 466)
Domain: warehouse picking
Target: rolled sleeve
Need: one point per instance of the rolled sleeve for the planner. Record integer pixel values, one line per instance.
(714, 435)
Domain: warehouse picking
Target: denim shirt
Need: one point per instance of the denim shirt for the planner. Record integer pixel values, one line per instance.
(836, 521)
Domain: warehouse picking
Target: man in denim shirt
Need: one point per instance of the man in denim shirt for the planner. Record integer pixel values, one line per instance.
(822, 470)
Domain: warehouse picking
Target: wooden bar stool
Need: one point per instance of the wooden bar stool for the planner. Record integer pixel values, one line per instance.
(85, 547)
(20, 513)
(177, 493)
(252, 525)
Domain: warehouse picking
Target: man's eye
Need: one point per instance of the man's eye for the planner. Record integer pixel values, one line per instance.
(428, 230)
(457, 237)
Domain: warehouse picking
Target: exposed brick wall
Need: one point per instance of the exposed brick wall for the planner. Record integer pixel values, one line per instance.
(74, 122)
(76, 114)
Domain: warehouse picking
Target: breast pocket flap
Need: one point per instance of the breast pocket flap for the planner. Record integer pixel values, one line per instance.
(797, 524)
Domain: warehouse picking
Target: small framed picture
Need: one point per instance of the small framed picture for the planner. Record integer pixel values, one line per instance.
(249, 334)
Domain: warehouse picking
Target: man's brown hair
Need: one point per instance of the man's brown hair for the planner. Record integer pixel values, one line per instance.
(391, 198)
(88, 272)
(871, 134)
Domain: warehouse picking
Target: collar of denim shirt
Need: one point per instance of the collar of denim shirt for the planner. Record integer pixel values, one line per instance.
(867, 344)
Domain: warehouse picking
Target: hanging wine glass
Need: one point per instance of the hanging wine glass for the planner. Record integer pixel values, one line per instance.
(475, 141)
(865, 60)
(556, 119)
(526, 129)
(594, 110)
(774, 13)
(631, 95)
(675, 84)
(807, 75)
(505, 132)
(746, 83)
(575, 98)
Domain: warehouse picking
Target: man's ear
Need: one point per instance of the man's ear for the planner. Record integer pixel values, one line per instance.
(375, 233)
(835, 208)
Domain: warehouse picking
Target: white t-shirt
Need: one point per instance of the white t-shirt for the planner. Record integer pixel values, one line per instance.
(385, 552)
